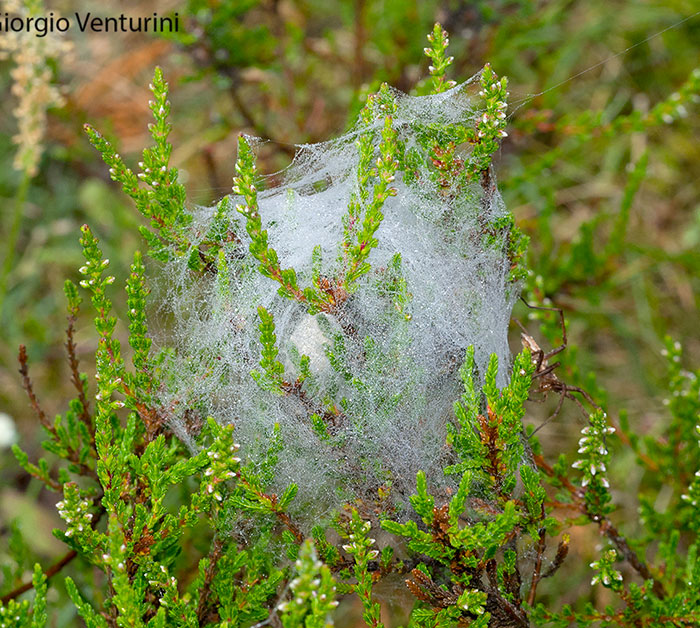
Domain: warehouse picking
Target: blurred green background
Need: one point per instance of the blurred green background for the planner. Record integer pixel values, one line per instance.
(611, 206)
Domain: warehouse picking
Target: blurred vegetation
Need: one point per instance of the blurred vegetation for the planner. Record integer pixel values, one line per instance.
(605, 185)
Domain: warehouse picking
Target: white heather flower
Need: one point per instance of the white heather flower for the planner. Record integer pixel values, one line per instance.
(8, 432)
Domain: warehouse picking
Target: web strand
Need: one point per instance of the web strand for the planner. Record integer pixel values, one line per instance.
(518, 104)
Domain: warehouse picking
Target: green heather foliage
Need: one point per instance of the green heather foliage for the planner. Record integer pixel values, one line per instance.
(163, 534)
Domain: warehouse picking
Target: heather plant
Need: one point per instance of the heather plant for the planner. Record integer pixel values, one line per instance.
(35, 93)
(333, 403)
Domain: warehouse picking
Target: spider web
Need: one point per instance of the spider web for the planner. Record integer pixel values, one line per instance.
(388, 367)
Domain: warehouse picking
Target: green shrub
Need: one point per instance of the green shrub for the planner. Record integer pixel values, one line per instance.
(173, 523)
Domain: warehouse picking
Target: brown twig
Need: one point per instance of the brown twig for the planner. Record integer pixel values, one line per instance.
(606, 528)
(75, 376)
(503, 612)
(329, 416)
(59, 564)
(562, 552)
(73, 455)
(489, 438)
(423, 588)
(537, 571)
(214, 556)
(29, 388)
(280, 514)
(289, 524)
(619, 618)
(51, 571)
(513, 582)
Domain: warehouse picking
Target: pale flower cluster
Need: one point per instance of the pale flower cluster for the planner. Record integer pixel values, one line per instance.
(592, 445)
(31, 82)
